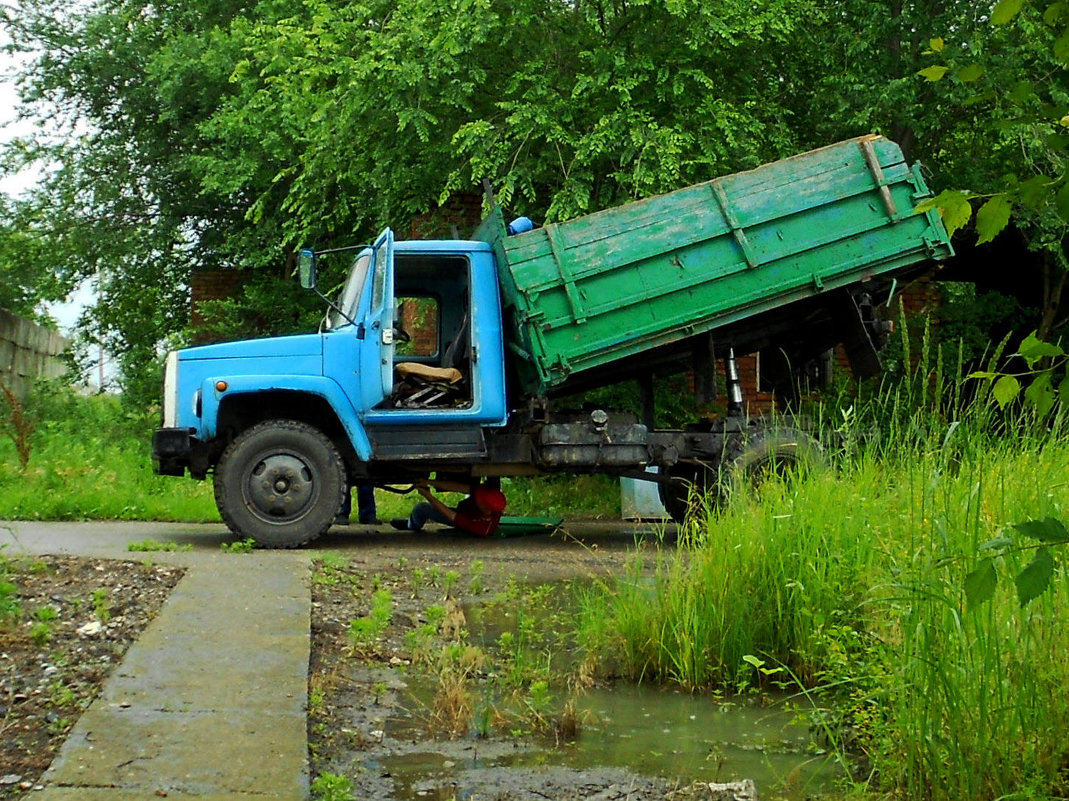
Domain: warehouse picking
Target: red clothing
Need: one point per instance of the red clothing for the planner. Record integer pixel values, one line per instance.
(469, 518)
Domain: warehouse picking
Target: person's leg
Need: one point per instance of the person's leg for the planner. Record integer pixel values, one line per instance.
(342, 518)
(423, 513)
(365, 502)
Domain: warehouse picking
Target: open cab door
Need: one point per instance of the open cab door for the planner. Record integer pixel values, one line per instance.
(376, 359)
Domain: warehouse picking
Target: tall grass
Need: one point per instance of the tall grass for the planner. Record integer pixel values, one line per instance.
(851, 584)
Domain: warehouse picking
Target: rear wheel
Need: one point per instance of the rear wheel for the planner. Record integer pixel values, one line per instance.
(691, 482)
(771, 453)
(281, 483)
(750, 460)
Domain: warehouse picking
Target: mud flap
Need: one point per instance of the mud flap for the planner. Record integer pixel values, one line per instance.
(857, 323)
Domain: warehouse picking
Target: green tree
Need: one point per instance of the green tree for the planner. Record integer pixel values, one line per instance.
(22, 285)
(222, 133)
(226, 133)
(1005, 80)
(374, 112)
(122, 87)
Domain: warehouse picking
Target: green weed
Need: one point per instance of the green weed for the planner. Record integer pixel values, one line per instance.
(365, 632)
(42, 630)
(100, 605)
(83, 443)
(239, 546)
(41, 633)
(872, 589)
(152, 546)
(10, 608)
(475, 582)
(332, 787)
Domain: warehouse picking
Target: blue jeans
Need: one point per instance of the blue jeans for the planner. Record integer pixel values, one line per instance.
(365, 502)
(423, 513)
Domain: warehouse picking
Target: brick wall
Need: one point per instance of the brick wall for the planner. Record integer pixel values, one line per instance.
(920, 296)
(213, 285)
(458, 217)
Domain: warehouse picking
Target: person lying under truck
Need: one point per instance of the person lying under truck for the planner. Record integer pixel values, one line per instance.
(478, 514)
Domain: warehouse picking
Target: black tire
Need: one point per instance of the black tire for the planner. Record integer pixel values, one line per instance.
(767, 453)
(281, 483)
(690, 482)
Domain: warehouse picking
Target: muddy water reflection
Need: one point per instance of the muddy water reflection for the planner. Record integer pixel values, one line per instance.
(651, 731)
(670, 734)
(648, 730)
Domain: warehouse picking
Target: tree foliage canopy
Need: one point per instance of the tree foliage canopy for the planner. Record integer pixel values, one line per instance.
(226, 133)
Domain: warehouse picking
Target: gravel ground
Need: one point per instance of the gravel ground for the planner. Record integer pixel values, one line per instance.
(65, 622)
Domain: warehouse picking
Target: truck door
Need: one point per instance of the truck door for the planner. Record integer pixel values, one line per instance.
(376, 356)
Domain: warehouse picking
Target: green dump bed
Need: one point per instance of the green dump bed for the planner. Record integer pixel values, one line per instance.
(588, 292)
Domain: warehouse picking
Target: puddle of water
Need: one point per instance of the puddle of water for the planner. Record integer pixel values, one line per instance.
(677, 735)
(648, 730)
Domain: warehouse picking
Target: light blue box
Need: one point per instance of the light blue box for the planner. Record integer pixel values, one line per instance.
(639, 500)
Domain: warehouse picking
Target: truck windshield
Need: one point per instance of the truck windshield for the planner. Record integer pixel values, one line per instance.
(349, 298)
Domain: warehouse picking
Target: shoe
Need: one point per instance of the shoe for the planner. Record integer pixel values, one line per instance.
(400, 523)
(372, 522)
(341, 520)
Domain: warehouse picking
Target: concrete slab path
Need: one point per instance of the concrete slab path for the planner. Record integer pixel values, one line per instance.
(210, 701)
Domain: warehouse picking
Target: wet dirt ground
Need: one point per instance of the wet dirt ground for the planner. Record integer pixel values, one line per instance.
(409, 700)
(65, 623)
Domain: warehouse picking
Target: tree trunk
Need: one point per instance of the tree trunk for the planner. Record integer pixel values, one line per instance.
(1054, 279)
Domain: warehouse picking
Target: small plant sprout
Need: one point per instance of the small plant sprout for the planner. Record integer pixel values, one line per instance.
(333, 561)
(451, 579)
(149, 546)
(100, 605)
(484, 719)
(332, 787)
(364, 632)
(539, 703)
(10, 609)
(476, 582)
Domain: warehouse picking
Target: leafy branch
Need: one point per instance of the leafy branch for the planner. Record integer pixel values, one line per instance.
(1031, 581)
(1044, 361)
(1020, 102)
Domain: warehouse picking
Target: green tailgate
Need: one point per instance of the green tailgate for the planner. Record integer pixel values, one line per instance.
(586, 292)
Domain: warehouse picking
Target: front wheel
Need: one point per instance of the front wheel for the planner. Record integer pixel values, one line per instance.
(281, 483)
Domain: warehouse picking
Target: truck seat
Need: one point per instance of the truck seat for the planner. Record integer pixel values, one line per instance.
(434, 386)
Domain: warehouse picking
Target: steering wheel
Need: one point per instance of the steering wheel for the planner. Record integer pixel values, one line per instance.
(400, 334)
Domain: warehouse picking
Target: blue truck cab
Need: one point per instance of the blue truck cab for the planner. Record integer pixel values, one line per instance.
(288, 423)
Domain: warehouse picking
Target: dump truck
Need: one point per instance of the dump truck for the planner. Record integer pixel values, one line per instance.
(459, 358)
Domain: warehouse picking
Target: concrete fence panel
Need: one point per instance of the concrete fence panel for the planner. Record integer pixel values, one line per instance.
(27, 352)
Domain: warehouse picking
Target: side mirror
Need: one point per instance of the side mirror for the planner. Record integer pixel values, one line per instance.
(306, 267)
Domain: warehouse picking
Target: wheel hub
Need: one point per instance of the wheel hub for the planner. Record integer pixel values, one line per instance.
(280, 487)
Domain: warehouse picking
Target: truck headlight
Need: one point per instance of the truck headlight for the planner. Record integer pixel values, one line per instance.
(170, 390)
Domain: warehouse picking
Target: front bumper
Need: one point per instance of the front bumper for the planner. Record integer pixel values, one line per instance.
(172, 449)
